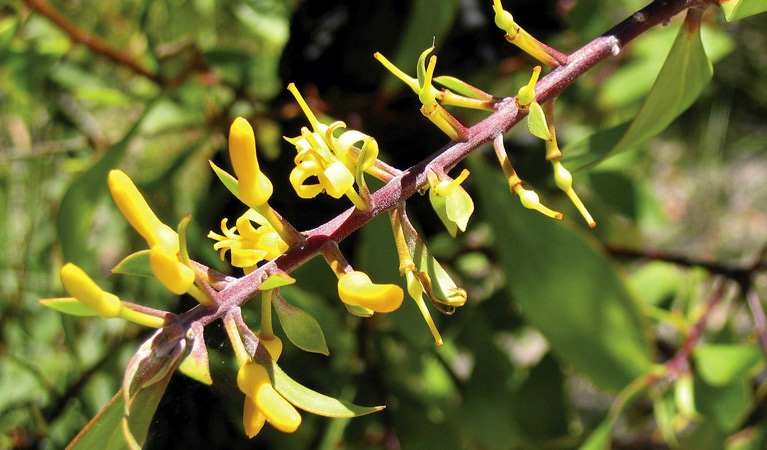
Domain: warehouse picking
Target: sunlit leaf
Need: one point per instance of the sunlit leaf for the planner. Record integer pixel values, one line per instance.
(721, 364)
(104, 430)
(135, 264)
(68, 305)
(277, 280)
(229, 181)
(302, 329)
(314, 402)
(568, 289)
(686, 71)
(739, 9)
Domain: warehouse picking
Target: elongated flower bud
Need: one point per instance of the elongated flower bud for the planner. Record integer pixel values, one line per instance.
(84, 289)
(138, 213)
(355, 288)
(254, 188)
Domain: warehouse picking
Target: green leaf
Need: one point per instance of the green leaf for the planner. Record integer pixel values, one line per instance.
(600, 438)
(135, 264)
(229, 181)
(78, 206)
(536, 122)
(302, 329)
(686, 71)
(567, 289)
(721, 364)
(196, 365)
(68, 305)
(276, 280)
(728, 404)
(105, 430)
(314, 402)
(738, 9)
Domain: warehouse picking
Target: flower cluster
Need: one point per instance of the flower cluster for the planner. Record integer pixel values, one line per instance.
(329, 159)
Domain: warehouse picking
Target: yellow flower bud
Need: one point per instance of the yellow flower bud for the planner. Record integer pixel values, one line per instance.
(136, 210)
(355, 288)
(253, 380)
(526, 94)
(84, 289)
(171, 272)
(254, 188)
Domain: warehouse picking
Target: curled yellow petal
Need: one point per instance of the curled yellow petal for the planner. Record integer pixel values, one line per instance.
(252, 418)
(84, 289)
(254, 188)
(171, 272)
(138, 213)
(253, 380)
(355, 288)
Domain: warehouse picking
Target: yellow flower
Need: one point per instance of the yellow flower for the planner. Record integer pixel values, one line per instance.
(171, 272)
(83, 288)
(333, 161)
(254, 188)
(105, 304)
(138, 213)
(355, 288)
(252, 245)
(263, 402)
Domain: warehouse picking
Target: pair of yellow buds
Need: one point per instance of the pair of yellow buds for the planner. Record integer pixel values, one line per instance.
(262, 402)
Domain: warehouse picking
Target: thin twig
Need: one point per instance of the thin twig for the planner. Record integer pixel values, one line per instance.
(93, 41)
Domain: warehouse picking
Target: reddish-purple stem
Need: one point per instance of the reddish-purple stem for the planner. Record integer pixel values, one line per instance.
(406, 184)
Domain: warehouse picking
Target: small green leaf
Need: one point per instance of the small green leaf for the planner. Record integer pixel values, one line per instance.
(721, 364)
(536, 122)
(439, 204)
(686, 71)
(196, 365)
(135, 264)
(229, 181)
(314, 402)
(302, 329)
(68, 305)
(738, 9)
(276, 280)
(463, 88)
(459, 207)
(105, 429)
(359, 311)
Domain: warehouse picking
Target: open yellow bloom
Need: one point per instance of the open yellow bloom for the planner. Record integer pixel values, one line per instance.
(333, 161)
(355, 288)
(252, 245)
(138, 213)
(262, 402)
(254, 188)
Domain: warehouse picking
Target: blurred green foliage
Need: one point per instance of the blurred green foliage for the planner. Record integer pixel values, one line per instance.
(514, 372)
